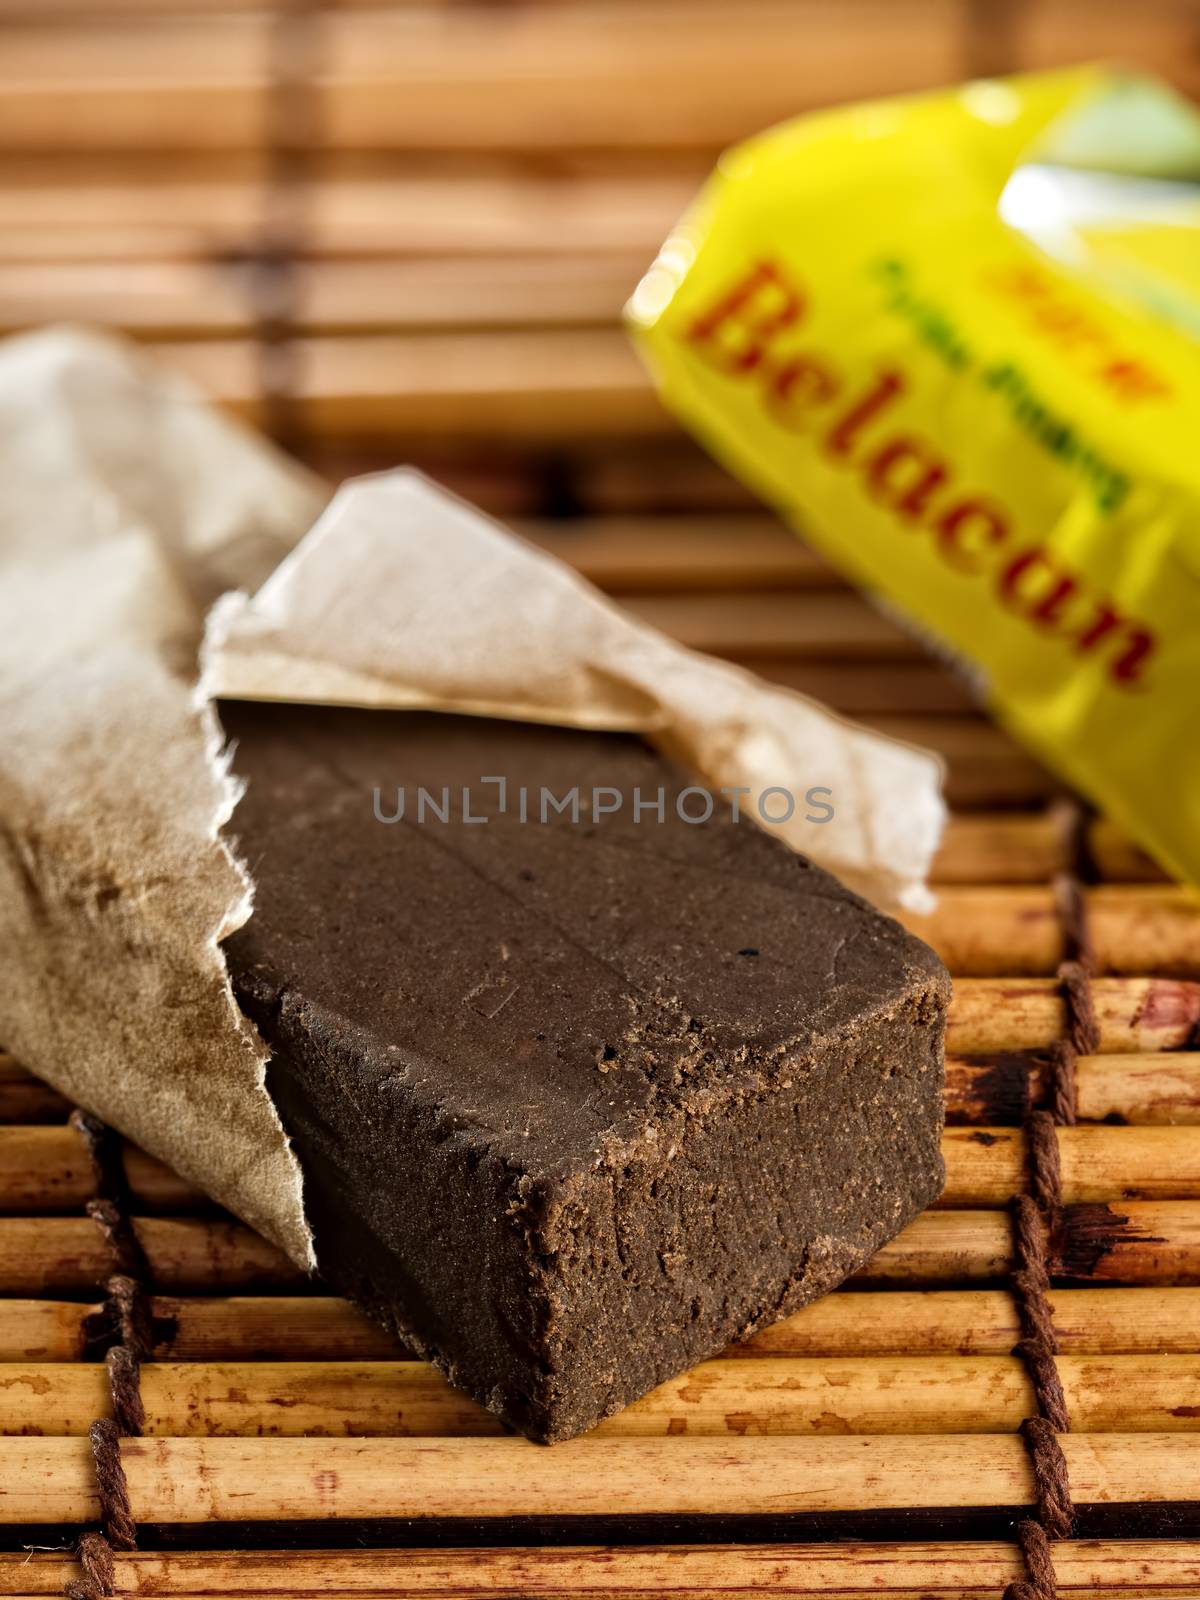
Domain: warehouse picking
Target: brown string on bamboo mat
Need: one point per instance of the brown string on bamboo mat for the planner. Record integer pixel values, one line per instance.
(289, 139)
(130, 1315)
(991, 37)
(1034, 1217)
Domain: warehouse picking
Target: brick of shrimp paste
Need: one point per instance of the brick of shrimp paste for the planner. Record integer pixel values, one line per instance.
(577, 1103)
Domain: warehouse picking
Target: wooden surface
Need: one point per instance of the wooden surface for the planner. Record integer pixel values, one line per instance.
(181, 1480)
(1088, 1568)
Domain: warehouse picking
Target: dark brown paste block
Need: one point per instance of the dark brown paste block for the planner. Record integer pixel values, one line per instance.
(577, 1103)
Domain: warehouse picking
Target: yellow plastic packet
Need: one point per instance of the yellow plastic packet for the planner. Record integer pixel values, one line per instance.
(954, 338)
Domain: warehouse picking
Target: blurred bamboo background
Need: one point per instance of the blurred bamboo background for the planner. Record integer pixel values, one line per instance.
(404, 232)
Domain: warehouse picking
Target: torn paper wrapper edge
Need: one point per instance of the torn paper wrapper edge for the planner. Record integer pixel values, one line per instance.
(404, 596)
(130, 505)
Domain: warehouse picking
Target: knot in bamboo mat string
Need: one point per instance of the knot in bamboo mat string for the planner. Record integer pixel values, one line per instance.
(1034, 1216)
(96, 1559)
(1035, 1547)
(129, 1317)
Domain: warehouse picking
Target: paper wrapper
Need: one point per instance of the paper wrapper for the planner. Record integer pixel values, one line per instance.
(127, 508)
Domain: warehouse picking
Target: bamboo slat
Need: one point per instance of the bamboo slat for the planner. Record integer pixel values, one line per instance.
(65, 1255)
(46, 1169)
(988, 1166)
(177, 300)
(944, 1322)
(468, 306)
(1116, 857)
(1086, 1569)
(996, 847)
(206, 1327)
(1007, 847)
(861, 690)
(431, 77)
(1144, 1090)
(538, 387)
(983, 1322)
(24, 1098)
(741, 1398)
(1149, 1321)
(1049, 34)
(85, 209)
(676, 555)
(796, 625)
(984, 932)
(203, 1480)
(660, 476)
(1134, 1015)
(986, 769)
(1147, 1241)
(943, 1247)
(1136, 1242)
(435, 78)
(1139, 1089)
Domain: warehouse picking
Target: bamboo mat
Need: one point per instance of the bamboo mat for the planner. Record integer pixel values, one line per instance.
(404, 232)
(878, 1442)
